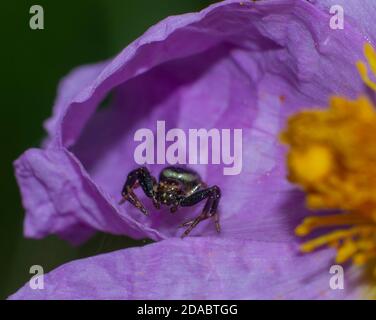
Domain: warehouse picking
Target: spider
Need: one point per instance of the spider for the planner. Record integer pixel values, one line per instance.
(176, 187)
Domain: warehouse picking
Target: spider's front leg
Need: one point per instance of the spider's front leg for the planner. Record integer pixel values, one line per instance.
(213, 195)
(139, 177)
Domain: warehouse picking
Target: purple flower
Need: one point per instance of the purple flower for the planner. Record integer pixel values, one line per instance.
(245, 65)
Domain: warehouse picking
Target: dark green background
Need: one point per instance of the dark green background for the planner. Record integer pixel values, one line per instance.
(76, 32)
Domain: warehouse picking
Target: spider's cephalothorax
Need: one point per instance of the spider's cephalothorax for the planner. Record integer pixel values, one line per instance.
(176, 187)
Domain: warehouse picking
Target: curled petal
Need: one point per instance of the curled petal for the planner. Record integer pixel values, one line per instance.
(235, 65)
(55, 188)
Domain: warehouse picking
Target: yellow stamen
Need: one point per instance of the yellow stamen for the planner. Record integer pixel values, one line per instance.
(330, 237)
(311, 223)
(370, 55)
(332, 156)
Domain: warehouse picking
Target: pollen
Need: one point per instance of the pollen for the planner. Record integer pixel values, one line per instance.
(332, 157)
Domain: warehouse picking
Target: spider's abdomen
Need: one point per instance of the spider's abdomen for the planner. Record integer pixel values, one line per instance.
(182, 176)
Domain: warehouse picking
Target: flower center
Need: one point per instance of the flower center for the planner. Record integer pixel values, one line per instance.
(332, 156)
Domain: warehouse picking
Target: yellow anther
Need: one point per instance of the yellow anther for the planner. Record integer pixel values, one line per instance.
(370, 55)
(311, 164)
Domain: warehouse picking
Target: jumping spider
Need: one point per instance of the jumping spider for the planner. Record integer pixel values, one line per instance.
(176, 187)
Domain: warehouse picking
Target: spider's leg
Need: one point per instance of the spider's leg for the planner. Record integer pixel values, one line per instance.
(212, 195)
(210, 213)
(203, 216)
(133, 199)
(214, 213)
(139, 177)
(216, 221)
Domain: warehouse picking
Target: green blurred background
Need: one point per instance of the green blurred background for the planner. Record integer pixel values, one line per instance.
(76, 32)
